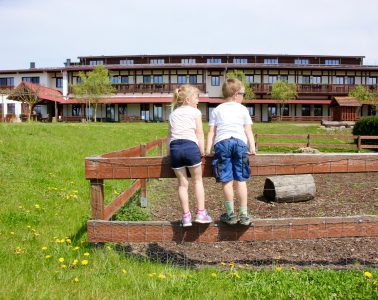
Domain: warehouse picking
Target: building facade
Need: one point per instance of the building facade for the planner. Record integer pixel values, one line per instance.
(144, 85)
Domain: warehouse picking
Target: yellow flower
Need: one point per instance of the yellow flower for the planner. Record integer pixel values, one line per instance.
(222, 263)
(86, 254)
(57, 240)
(48, 256)
(63, 266)
(44, 248)
(68, 241)
(84, 262)
(74, 263)
(124, 271)
(213, 275)
(162, 276)
(19, 250)
(235, 274)
(375, 281)
(75, 248)
(61, 241)
(108, 248)
(20, 207)
(277, 258)
(278, 269)
(76, 279)
(151, 275)
(293, 268)
(232, 265)
(12, 233)
(368, 274)
(61, 259)
(28, 226)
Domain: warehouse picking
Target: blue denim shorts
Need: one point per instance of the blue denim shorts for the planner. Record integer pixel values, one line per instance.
(231, 161)
(184, 153)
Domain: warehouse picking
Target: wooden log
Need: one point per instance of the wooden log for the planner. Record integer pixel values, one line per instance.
(290, 188)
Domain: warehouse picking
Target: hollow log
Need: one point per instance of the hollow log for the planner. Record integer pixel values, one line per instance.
(290, 188)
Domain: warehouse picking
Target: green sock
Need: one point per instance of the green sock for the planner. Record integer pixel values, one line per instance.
(229, 206)
(243, 210)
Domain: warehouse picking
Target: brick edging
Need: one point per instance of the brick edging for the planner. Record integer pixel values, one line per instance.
(261, 229)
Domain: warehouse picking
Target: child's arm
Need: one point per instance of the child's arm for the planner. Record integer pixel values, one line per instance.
(200, 135)
(210, 139)
(250, 138)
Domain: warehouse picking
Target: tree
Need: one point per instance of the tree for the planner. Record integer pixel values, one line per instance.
(26, 95)
(364, 96)
(93, 86)
(284, 91)
(249, 94)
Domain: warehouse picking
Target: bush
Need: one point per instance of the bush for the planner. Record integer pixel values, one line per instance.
(366, 126)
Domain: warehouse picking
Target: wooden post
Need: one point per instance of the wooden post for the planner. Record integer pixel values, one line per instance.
(359, 143)
(256, 145)
(97, 196)
(308, 140)
(143, 182)
(160, 147)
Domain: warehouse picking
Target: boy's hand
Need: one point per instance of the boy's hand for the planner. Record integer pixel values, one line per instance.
(252, 152)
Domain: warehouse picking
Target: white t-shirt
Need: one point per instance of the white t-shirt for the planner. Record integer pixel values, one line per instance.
(229, 119)
(183, 123)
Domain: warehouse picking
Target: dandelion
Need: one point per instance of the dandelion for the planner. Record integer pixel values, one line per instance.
(20, 207)
(124, 271)
(108, 248)
(86, 254)
(37, 206)
(375, 281)
(44, 248)
(84, 262)
(75, 248)
(12, 232)
(223, 263)
(48, 256)
(57, 241)
(232, 265)
(293, 268)
(278, 269)
(162, 276)
(61, 259)
(63, 266)
(19, 250)
(213, 275)
(61, 241)
(151, 275)
(235, 274)
(368, 274)
(28, 226)
(76, 279)
(68, 241)
(74, 263)
(277, 258)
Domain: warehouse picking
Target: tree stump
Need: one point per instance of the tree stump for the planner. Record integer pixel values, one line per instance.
(290, 188)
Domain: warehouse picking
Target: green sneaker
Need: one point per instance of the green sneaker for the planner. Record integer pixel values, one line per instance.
(245, 220)
(229, 219)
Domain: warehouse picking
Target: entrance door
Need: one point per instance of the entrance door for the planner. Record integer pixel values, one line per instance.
(158, 112)
(110, 112)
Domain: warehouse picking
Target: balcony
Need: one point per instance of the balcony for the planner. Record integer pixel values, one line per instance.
(314, 89)
(6, 87)
(152, 87)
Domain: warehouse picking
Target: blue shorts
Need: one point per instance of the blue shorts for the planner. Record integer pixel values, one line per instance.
(231, 161)
(184, 153)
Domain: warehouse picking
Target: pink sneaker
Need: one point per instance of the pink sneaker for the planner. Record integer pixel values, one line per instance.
(203, 218)
(186, 220)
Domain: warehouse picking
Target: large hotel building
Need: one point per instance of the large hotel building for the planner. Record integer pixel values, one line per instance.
(144, 85)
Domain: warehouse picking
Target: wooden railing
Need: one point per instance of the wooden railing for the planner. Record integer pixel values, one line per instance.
(6, 87)
(152, 87)
(304, 118)
(308, 140)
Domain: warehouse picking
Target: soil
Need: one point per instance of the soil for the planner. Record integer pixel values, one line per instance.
(337, 195)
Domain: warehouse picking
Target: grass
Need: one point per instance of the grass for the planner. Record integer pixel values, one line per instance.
(45, 205)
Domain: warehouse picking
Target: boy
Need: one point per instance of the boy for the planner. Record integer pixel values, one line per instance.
(230, 124)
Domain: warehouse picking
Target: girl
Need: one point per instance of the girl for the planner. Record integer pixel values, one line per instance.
(186, 146)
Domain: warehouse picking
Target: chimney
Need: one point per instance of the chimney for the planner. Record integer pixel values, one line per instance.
(68, 62)
(32, 65)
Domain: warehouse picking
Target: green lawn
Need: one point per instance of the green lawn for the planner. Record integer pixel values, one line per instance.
(45, 205)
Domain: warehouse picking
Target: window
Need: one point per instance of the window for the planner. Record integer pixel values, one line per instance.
(122, 109)
(7, 81)
(350, 80)
(145, 111)
(306, 110)
(76, 109)
(316, 79)
(115, 79)
(251, 109)
(214, 60)
(272, 78)
(306, 79)
(301, 61)
(250, 78)
(59, 82)
(188, 61)
(157, 61)
(31, 79)
(215, 80)
(146, 79)
(76, 80)
(339, 80)
(11, 108)
(285, 110)
(240, 61)
(318, 110)
(283, 77)
(193, 79)
(271, 61)
(372, 80)
(124, 79)
(158, 112)
(272, 110)
(181, 79)
(332, 62)
(126, 62)
(96, 62)
(158, 79)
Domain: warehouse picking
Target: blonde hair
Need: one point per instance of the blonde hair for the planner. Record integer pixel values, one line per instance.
(182, 93)
(231, 86)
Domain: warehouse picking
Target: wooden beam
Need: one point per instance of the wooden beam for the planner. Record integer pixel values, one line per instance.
(262, 164)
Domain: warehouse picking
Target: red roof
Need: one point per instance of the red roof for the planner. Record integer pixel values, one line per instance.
(45, 92)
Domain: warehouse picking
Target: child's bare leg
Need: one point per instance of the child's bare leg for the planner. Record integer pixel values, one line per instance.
(183, 185)
(228, 191)
(196, 174)
(241, 189)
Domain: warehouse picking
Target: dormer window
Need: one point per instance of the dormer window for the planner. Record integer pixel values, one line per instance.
(96, 62)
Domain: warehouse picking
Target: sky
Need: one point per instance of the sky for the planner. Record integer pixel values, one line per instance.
(48, 32)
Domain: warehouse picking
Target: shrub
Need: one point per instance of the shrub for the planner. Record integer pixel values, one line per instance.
(366, 126)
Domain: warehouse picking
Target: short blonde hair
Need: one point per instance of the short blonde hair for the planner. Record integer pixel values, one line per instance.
(231, 86)
(182, 93)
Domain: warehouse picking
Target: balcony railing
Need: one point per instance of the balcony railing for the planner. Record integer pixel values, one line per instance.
(6, 87)
(321, 89)
(152, 87)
